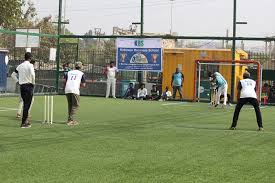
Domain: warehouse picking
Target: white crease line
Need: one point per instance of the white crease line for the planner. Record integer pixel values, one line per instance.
(181, 103)
(260, 107)
(8, 109)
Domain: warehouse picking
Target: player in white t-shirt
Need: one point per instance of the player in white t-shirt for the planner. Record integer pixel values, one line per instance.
(247, 94)
(111, 79)
(74, 80)
(142, 92)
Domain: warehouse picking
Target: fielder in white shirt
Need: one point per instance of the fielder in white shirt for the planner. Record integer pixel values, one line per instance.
(111, 79)
(142, 92)
(247, 94)
(74, 80)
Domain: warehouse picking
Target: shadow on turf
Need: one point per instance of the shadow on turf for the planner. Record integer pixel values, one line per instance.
(215, 129)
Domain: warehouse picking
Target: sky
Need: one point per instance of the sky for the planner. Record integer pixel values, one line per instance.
(190, 17)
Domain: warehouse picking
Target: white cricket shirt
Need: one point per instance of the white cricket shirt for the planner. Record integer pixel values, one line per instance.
(248, 88)
(74, 79)
(111, 72)
(26, 73)
(142, 92)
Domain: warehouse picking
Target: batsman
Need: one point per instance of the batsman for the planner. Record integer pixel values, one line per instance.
(222, 87)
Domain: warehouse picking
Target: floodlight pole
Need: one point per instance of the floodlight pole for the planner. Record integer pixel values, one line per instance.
(171, 17)
(58, 45)
(141, 17)
(234, 48)
(141, 73)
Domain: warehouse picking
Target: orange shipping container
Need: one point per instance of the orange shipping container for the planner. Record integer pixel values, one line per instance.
(184, 58)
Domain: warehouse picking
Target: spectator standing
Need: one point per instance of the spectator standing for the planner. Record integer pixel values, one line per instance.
(111, 79)
(177, 83)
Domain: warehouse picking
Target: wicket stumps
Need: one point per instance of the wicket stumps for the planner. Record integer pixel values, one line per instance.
(48, 109)
(213, 97)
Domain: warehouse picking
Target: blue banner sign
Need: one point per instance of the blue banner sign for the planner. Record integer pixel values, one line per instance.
(139, 54)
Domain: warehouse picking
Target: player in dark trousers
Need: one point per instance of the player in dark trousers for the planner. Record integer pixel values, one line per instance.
(26, 82)
(247, 94)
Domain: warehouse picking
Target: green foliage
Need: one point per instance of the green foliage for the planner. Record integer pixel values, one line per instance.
(26, 19)
(11, 13)
(46, 27)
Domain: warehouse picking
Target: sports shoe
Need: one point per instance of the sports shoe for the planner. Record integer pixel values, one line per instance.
(70, 123)
(75, 123)
(216, 105)
(25, 125)
(261, 129)
(18, 115)
(232, 128)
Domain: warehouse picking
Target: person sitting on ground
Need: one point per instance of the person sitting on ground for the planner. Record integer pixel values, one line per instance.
(155, 94)
(142, 92)
(166, 95)
(130, 92)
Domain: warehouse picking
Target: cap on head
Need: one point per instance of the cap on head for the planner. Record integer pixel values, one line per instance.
(246, 75)
(28, 56)
(78, 65)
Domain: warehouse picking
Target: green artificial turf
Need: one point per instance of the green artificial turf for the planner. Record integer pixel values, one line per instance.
(136, 141)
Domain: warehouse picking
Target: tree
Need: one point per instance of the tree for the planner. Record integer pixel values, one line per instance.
(15, 14)
(11, 13)
(46, 27)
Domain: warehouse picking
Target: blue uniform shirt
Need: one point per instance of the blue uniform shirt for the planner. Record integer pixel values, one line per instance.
(220, 81)
(178, 77)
